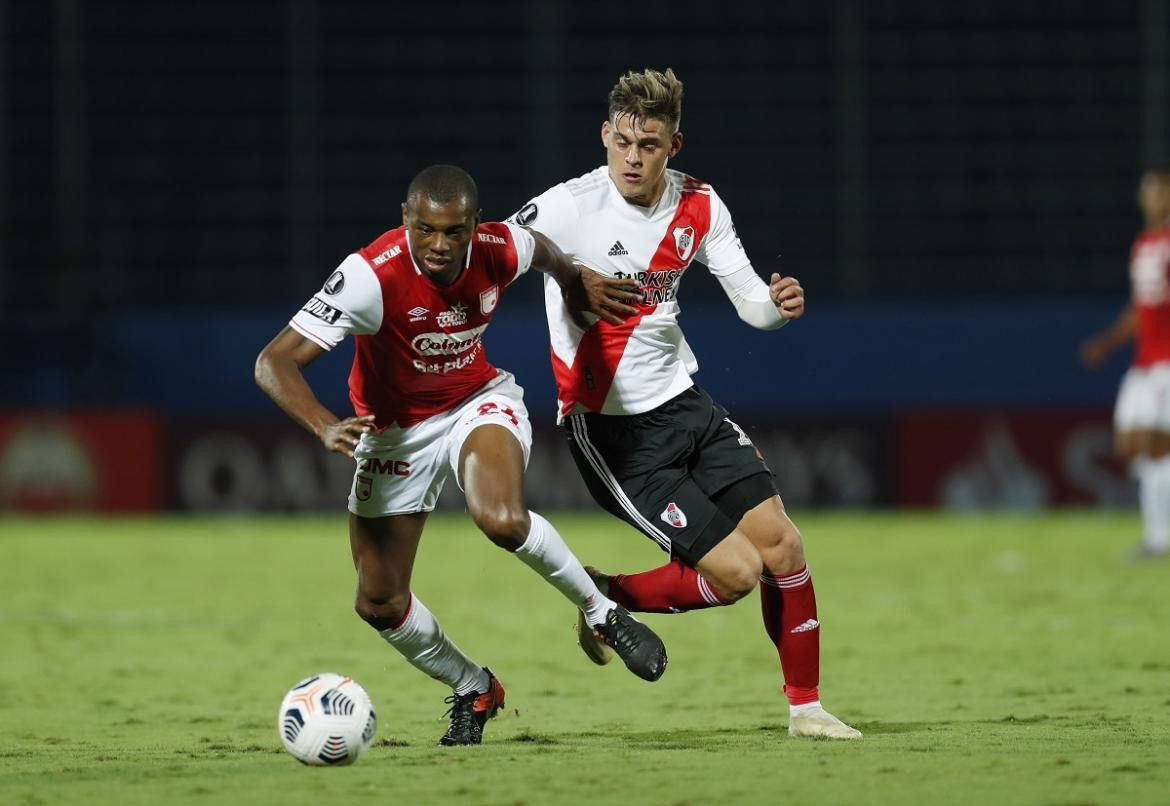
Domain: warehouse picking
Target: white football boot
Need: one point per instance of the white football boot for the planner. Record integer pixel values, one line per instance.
(817, 723)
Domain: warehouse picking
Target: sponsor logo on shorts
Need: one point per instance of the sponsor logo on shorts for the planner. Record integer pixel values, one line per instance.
(335, 283)
(487, 237)
(385, 467)
(488, 300)
(322, 310)
(743, 438)
(393, 251)
(453, 318)
(674, 516)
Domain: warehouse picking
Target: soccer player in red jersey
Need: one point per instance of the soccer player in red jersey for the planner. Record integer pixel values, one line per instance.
(417, 301)
(654, 448)
(1141, 417)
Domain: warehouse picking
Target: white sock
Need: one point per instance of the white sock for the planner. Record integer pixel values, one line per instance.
(1154, 496)
(545, 553)
(423, 643)
(797, 710)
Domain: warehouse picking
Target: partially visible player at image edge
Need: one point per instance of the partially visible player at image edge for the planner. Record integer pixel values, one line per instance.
(653, 447)
(417, 301)
(1141, 417)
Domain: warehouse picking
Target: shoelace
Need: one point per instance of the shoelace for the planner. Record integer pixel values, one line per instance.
(457, 712)
(629, 639)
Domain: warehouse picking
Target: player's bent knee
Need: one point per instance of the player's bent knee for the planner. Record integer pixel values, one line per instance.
(382, 613)
(738, 581)
(506, 526)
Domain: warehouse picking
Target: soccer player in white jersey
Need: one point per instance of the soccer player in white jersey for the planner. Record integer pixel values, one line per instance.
(1141, 417)
(653, 448)
(428, 403)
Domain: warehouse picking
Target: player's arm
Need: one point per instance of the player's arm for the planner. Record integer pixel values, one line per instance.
(585, 290)
(1099, 346)
(764, 306)
(280, 373)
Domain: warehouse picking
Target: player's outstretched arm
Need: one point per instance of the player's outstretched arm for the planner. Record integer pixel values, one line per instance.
(279, 372)
(585, 290)
(1098, 347)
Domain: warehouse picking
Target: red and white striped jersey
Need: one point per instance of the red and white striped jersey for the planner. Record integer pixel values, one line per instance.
(418, 348)
(632, 367)
(1149, 274)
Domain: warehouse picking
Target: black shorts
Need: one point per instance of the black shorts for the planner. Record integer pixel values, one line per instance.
(683, 474)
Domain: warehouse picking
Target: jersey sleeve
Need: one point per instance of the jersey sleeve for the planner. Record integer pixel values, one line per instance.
(350, 302)
(721, 251)
(550, 213)
(525, 246)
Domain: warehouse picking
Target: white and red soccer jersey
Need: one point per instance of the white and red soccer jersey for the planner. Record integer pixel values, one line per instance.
(645, 361)
(418, 345)
(1149, 274)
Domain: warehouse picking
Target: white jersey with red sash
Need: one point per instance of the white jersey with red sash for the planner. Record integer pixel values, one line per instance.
(633, 367)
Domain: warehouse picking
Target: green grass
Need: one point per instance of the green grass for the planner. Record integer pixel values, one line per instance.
(988, 660)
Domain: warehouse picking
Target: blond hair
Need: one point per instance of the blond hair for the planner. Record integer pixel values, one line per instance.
(648, 94)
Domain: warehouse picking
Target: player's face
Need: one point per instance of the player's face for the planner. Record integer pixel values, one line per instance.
(1154, 198)
(637, 153)
(439, 235)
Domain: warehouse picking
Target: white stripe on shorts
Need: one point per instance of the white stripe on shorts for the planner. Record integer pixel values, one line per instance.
(577, 423)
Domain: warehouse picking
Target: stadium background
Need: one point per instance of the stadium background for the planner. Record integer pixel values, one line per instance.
(953, 183)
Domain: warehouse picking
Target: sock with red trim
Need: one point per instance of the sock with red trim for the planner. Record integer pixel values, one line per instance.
(671, 588)
(420, 639)
(790, 616)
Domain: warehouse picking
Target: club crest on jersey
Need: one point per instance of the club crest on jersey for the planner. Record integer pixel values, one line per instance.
(488, 300)
(335, 283)
(684, 241)
(454, 317)
(674, 516)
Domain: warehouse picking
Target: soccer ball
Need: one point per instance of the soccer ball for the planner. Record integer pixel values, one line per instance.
(327, 719)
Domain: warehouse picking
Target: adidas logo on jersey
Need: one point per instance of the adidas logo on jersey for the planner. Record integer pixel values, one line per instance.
(617, 249)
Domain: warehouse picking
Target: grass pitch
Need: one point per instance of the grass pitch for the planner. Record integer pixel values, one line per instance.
(988, 660)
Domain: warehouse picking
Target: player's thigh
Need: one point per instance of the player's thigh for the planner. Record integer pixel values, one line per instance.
(725, 456)
(1136, 413)
(491, 439)
(632, 469)
(774, 535)
(384, 551)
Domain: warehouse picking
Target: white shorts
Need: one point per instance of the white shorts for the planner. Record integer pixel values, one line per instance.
(1144, 399)
(402, 470)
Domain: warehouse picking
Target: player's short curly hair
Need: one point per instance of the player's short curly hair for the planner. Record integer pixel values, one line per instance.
(648, 94)
(443, 184)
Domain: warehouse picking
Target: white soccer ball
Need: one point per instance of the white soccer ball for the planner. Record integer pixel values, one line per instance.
(327, 719)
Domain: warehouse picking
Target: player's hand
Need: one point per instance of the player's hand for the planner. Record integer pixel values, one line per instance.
(787, 296)
(1093, 353)
(605, 297)
(343, 435)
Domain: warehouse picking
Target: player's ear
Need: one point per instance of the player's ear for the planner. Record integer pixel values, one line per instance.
(605, 133)
(404, 215)
(676, 141)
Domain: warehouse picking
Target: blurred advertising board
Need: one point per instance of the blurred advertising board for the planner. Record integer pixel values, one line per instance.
(1010, 461)
(80, 461)
(245, 465)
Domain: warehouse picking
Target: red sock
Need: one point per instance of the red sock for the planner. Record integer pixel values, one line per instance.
(790, 617)
(671, 588)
